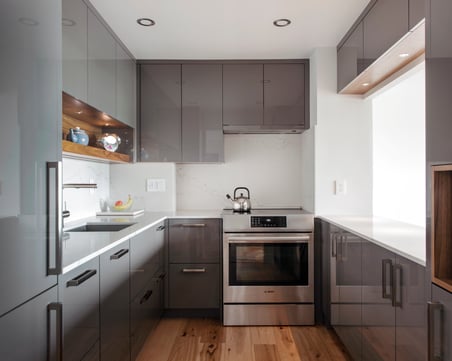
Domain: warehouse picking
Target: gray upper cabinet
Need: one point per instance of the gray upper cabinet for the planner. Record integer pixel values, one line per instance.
(202, 127)
(285, 90)
(384, 25)
(126, 104)
(440, 30)
(242, 94)
(160, 117)
(416, 12)
(75, 48)
(101, 66)
(350, 57)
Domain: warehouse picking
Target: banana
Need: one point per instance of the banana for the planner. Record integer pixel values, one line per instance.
(125, 206)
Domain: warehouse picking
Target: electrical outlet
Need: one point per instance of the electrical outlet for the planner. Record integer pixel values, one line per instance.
(155, 185)
(340, 187)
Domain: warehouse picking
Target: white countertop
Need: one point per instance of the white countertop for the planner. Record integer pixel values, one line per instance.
(403, 239)
(80, 247)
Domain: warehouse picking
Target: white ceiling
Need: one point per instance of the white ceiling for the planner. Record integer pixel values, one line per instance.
(229, 29)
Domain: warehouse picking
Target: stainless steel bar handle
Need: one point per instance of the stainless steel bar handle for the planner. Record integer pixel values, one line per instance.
(384, 277)
(193, 270)
(55, 349)
(274, 239)
(193, 225)
(85, 276)
(435, 353)
(397, 286)
(54, 218)
(119, 254)
(333, 245)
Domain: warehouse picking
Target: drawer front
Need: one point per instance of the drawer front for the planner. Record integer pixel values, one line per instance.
(194, 240)
(194, 285)
(79, 293)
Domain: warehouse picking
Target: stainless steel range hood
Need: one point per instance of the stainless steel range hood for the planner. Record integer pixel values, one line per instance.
(262, 129)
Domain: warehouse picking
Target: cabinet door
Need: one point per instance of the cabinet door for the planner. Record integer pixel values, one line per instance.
(114, 306)
(194, 240)
(411, 311)
(350, 58)
(75, 48)
(440, 29)
(79, 294)
(160, 113)
(126, 103)
(194, 286)
(378, 314)
(442, 344)
(285, 94)
(202, 127)
(384, 25)
(243, 94)
(417, 11)
(30, 103)
(24, 331)
(101, 66)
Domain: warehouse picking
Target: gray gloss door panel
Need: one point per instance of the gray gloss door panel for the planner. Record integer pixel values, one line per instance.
(440, 28)
(194, 240)
(75, 48)
(79, 293)
(444, 298)
(243, 94)
(160, 117)
(350, 58)
(101, 66)
(23, 332)
(194, 286)
(284, 94)
(114, 304)
(126, 103)
(30, 117)
(416, 11)
(202, 127)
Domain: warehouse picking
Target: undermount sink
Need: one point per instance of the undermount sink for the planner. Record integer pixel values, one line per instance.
(98, 227)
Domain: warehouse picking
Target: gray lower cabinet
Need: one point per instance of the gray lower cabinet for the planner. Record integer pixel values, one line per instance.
(114, 304)
(75, 48)
(32, 330)
(194, 264)
(202, 123)
(101, 66)
(78, 291)
(440, 328)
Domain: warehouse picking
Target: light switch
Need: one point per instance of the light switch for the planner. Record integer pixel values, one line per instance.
(340, 187)
(155, 185)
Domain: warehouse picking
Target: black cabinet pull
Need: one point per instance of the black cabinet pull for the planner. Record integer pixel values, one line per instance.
(119, 254)
(55, 336)
(77, 281)
(435, 341)
(160, 228)
(146, 296)
(384, 277)
(162, 275)
(397, 286)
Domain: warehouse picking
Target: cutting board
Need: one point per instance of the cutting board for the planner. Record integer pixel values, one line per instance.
(125, 213)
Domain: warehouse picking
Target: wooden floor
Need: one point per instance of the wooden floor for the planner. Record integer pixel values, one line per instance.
(177, 339)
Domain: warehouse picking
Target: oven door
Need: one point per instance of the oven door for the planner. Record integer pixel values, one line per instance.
(268, 268)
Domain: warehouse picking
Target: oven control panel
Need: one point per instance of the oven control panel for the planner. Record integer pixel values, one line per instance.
(268, 221)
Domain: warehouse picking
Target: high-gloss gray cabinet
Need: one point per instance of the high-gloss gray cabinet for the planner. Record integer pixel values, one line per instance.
(194, 263)
(75, 48)
(30, 117)
(78, 291)
(440, 316)
(126, 104)
(350, 57)
(160, 113)
(202, 127)
(416, 12)
(383, 26)
(114, 304)
(439, 31)
(101, 66)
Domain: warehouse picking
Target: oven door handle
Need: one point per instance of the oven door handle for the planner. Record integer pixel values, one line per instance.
(274, 239)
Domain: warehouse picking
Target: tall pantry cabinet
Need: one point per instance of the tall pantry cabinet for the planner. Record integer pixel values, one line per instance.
(30, 154)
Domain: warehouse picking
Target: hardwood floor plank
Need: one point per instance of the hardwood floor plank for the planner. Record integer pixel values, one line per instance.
(333, 345)
(238, 346)
(285, 344)
(262, 335)
(265, 353)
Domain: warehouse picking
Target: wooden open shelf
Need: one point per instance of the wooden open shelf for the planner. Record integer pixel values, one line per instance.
(79, 114)
(442, 226)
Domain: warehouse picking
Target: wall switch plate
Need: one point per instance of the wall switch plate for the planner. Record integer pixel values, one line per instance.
(155, 185)
(340, 187)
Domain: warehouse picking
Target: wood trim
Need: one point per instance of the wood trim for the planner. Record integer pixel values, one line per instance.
(70, 148)
(441, 230)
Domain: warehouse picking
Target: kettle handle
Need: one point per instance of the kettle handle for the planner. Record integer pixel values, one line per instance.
(246, 189)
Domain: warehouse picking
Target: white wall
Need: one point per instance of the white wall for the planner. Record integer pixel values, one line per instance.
(84, 202)
(269, 165)
(399, 150)
(343, 141)
(131, 179)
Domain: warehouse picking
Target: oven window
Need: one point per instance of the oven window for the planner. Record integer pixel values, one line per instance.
(268, 264)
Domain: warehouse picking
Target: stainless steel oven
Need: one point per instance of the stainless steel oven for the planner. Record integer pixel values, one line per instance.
(268, 268)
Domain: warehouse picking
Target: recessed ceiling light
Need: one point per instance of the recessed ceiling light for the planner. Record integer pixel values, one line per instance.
(146, 22)
(404, 55)
(280, 23)
(365, 84)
